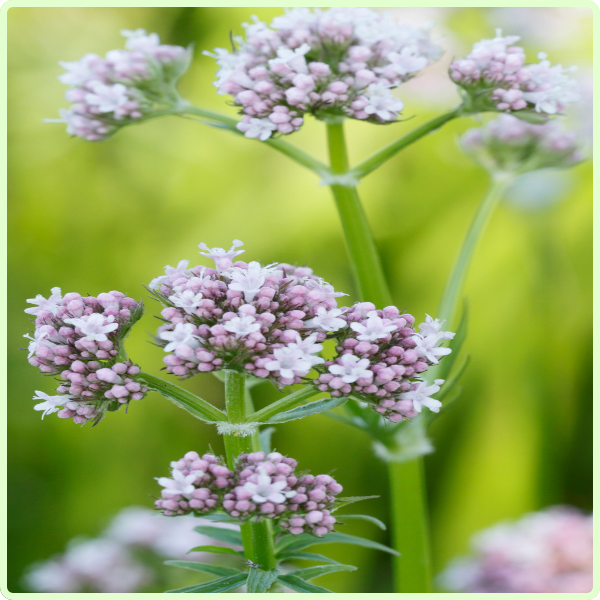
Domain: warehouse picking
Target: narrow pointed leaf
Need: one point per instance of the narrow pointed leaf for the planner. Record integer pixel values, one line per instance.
(369, 518)
(201, 409)
(216, 586)
(307, 556)
(314, 572)
(295, 398)
(445, 366)
(341, 502)
(203, 568)
(260, 581)
(221, 518)
(295, 583)
(216, 550)
(265, 439)
(449, 385)
(305, 540)
(312, 408)
(223, 535)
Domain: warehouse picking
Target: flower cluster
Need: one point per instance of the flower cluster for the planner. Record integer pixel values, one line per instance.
(511, 144)
(545, 552)
(495, 77)
(108, 93)
(78, 340)
(112, 562)
(259, 486)
(334, 62)
(380, 357)
(266, 321)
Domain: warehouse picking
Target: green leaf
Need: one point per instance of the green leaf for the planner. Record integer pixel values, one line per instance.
(228, 536)
(312, 408)
(201, 409)
(203, 568)
(445, 366)
(220, 517)
(450, 383)
(260, 581)
(306, 556)
(216, 550)
(295, 398)
(314, 572)
(341, 502)
(217, 586)
(295, 583)
(265, 439)
(369, 518)
(305, 540)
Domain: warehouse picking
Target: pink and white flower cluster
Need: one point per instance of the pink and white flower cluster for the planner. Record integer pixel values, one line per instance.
(380, 359)
(266, 321)
(511, 144)
(126, 85)
(549, 551)
(495, 76)
(78, 339)
(334, 62)
(260, 485)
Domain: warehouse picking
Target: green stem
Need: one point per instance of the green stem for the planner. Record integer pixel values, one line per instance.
(257, 537)
(409, 527)
(284, 404)
(364, 258)
(381, 156)
(457, 277)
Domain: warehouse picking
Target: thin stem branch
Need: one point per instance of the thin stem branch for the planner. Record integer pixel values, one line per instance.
(286, 403)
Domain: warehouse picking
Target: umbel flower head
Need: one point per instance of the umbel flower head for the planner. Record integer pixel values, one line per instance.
(549, 551)
(509, 144)
(122, 88)
(260, 486)
(335, 62)
(78, 339)
(494, 76)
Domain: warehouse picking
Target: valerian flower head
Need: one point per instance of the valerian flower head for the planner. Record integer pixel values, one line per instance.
(78, 340)
(339, 62)
(494, 76)
(265, 321)
(550, 551)
(509, 144)
(122, 88)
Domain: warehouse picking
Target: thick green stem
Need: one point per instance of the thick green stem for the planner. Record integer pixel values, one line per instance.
(458, 275)
(409, 509)
(257, 537)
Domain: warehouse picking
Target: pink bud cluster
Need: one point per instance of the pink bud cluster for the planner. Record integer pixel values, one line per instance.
(77, 339)
(108, 93)
(550, 551)
(260, 486)
(380, 358)
(495, 76)
(511, 144)
(261, 320)
(339, 61)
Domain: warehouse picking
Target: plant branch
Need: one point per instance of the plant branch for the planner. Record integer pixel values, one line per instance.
(286, 403)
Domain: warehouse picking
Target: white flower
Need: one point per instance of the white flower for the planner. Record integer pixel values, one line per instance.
(322, 286)
(183, 334)
(187, 300)
(95, 326)
(182, 268)
(242, 326)
(257, 129)
(267, 490)
(249, 280)
(37, 341)
(51, 304)
(180, 484)
(223, 258)
(80, 71)
(50, 404)
(432, 327)
(420, 396)
(327, 320)
(557, 91)
(289, 362)
(308, 348)
(107, 97)
(352, 368)
(407, 61)
(382, 102)
(293, 59)
(374, 329)
(140, 40)
(426, 347)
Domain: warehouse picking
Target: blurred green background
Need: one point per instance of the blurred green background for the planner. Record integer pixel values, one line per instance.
(92, 217)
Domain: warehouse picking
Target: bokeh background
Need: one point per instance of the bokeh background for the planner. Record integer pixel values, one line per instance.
(92, 217)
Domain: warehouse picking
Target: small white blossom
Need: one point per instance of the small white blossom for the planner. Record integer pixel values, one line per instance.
(95, 326)
(183, 334)
(182, 267)
(187, 300)
(308, 347)
(50, 404)
(140, 40)
(36, 341)
(434, 327)
(374, 329)
(51, 304)
(327, 320)
(242, 326)
(426, 347)
(107, 97)
(293, 59)
(409, 60)
(322, 286)
(223, 258)
(267, 490)
(382, 102)
(249, 280)
(289, 362)
(352, 368)
(180, 484)
(420, 396)
(257, 129)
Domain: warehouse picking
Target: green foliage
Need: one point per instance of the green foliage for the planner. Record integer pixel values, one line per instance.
(203, 567)
(228, 536)
(295, 583)
(217, 586)
(216, 550)
(369, 518)
(306, 540)
(293, 555)
(312, 408)
(260, 581)
(313, 572)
